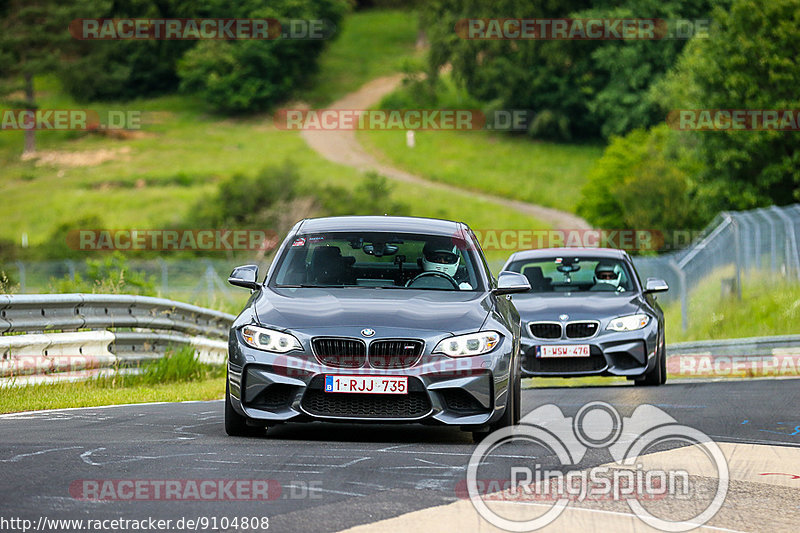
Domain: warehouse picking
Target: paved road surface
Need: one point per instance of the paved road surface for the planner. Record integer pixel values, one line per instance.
(359, 475)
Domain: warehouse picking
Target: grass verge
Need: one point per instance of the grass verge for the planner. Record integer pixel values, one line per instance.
(512, 166)
(770, 305)
(89, 394)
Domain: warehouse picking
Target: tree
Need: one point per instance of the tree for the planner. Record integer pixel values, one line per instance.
(34, 40)
(750, 61)
(577, 89)
(244, 75)
(645, 181)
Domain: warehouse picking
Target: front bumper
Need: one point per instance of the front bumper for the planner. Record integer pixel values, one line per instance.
(630, 354)
(273, 388)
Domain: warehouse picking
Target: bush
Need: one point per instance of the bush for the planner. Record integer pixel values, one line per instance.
(247, 75)
(373, 196)
(110, 275)
(644, 181)
(249, 201)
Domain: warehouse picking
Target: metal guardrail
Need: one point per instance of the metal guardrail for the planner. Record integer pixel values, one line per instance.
(738, 347)
(52, 338)
(64, 312)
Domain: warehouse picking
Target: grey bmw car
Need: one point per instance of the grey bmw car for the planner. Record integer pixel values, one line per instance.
(587, 313)
(376, 319)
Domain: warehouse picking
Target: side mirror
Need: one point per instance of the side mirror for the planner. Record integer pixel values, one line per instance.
(655, 285)
(244, 276)
(510, 283)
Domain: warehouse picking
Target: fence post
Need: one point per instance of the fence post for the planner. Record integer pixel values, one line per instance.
(737, 236)
(21, 267)
(792, 255)
(773, 240)
(164, 277)
(683, 293)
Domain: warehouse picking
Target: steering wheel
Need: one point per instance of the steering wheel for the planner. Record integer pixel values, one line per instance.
(433, 273)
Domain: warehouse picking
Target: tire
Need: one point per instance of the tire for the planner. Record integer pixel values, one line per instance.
(235, 424)
(657, 375)
(663, 363)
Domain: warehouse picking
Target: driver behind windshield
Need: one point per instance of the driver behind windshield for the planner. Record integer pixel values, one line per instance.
(443, 257)
(607, 277)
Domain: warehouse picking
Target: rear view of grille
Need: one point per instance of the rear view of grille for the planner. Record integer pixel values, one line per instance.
(546, 330)
(394, 353)
(411, 405)
(581, 330)
(340, 352)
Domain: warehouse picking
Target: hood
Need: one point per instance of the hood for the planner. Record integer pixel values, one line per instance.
(583, 306)
(314, 308)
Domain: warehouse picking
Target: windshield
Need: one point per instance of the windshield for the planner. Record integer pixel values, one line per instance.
(573, 274)
(377, 260)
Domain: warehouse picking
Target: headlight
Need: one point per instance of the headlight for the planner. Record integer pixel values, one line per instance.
(269, 340)
(628, 322)
(466, 345)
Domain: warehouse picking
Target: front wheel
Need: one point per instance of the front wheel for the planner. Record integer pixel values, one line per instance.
(511, 415)
(235, 424)
(658, 375)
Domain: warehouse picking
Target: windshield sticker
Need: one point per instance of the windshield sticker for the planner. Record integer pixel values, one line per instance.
(299, 242)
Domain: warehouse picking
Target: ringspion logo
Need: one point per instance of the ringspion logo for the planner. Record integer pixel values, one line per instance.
(596, 425)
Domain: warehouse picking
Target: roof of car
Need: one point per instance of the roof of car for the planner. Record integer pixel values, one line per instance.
(429, 226)
(567, 251)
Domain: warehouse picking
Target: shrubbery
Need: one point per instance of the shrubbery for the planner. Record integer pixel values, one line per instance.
(231, 76)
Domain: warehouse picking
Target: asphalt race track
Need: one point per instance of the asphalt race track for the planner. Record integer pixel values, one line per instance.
(334, 476)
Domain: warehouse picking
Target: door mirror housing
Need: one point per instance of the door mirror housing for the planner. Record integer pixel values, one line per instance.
(655, 285)
(245, 276)
(510, 283)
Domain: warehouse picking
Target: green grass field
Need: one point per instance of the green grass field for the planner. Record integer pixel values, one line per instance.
(372, 44)
(770, 305)
(513, 166)
(155, 178)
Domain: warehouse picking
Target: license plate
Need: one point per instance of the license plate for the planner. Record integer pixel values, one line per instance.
(367, 384)
(569, 350)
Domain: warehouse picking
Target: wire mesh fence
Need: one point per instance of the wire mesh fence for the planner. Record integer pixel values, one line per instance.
(735, 243)
(198, 281)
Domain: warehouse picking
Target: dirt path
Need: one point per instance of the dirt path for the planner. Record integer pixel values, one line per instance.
(342, 147)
